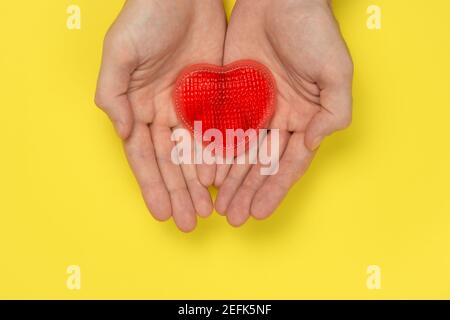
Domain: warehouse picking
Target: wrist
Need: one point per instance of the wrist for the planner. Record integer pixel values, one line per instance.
(284, 7)
(289, 2)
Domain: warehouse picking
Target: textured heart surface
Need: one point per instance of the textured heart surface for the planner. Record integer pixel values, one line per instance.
(240, 95)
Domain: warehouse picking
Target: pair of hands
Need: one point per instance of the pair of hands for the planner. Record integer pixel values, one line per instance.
(153, 40)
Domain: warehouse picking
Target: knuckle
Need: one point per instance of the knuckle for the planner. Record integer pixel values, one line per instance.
(152, 186)
(250, 184)
(142, 155)
(178, 189)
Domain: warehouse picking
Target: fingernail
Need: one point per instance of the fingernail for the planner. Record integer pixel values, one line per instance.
(316, 143)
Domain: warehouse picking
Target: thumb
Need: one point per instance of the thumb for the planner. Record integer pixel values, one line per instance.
(112, 86)
(335, 114)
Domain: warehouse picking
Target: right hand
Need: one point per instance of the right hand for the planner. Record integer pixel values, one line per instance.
(145, 49)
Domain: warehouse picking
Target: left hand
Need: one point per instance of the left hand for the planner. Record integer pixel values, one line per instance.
(301, 43)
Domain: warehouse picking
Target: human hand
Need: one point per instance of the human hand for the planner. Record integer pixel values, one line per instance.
(299, 40)
(145, 49)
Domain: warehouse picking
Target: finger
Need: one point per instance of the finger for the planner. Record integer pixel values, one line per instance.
(222, 171)
(112, 86)
(239, 209)
(182, 208)
(141, 156)
(296, 159)
(199, 193)
(335, 114)
(233, 180)
(223, 166)
(206, 174)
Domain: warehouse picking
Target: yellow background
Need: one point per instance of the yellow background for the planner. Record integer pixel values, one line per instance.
(377, 193)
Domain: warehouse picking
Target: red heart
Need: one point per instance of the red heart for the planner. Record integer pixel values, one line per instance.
(240, 95)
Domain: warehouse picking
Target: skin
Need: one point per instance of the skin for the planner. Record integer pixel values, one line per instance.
(299, 40)
(153, 40)
(144, 51)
